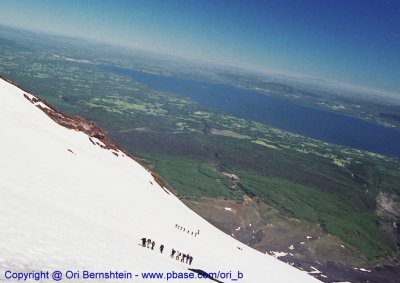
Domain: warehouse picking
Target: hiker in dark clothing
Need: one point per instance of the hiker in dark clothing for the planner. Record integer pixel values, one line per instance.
(173, 252)
(183, 258)
(187, 258)
(143, 242)
(161, 248)
(190, 260)
(148, 243)
(152, 245)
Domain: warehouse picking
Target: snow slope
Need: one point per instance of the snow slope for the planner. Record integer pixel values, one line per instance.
(69, 204)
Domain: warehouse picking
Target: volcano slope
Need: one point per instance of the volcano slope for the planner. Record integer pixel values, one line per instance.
(72, 200)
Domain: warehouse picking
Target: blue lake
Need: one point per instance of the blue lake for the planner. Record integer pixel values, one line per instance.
(307, 121)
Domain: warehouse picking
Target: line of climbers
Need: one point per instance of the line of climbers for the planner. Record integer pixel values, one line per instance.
(149, 243)
(187, 230)
(185, 258)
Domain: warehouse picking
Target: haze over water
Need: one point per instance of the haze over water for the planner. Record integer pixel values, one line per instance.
(311, 122)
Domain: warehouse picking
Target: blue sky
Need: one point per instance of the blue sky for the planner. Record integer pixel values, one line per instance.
(351, 41)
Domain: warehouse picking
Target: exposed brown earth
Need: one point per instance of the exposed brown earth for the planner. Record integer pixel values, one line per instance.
(305, 244)
(96, 135)
(76, 123)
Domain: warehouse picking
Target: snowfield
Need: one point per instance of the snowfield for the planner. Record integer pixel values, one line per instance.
(69, 204)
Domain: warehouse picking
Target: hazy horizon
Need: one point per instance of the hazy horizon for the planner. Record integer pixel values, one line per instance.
(352, 45)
